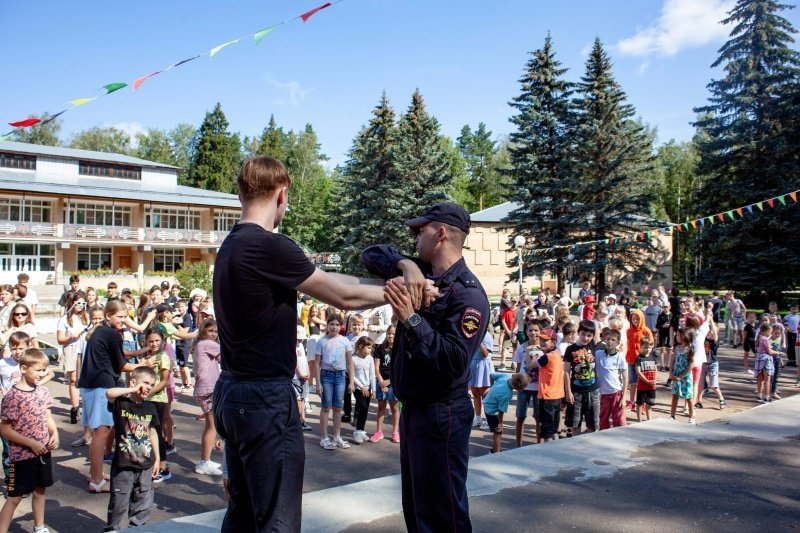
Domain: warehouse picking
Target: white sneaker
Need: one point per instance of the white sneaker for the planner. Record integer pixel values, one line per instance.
(476, 422)
(206, 468)
(359, 437)
(692, 421)
(308, 407)
(312, 389)
(485, 426)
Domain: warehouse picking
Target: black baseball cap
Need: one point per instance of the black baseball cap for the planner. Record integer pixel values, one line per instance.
(447, 212)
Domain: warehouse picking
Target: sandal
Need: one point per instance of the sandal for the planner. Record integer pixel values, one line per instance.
(99, 488)
(721, 404)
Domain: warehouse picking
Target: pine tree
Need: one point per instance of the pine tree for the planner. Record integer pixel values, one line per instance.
(273, 141)
(749, 153)
(421, 165)
(217, 155)
(368, 194)
(612, 153)
(485, 184)
(541, 166)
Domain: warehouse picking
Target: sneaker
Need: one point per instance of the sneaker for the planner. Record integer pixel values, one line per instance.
(476, 422)
(776, 395)
(207, 469)
(396, 437)
(308, 407)
(163, 475)
(501, 367)
(692, 421)
(42, 529)
(759, 399)
(359, 437)
(345, 418)
(81, 442)
(327, 443)
(171, 450)
(767, 399)
(378, 435)
(108, 458)
(722, 404)
(312, 389)
(306, 427)
(698, 405)
(341, 443)
(749, 372)
(485, 426)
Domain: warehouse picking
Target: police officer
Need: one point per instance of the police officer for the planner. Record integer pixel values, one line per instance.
(430, 364)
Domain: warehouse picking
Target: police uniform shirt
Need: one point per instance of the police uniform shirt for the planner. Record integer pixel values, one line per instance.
(430, 362)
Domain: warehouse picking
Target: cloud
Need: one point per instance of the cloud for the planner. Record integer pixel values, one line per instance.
(295, 93)
(131, 128)
(682, 24)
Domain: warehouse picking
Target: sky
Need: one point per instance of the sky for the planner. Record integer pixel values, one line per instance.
(465, 57)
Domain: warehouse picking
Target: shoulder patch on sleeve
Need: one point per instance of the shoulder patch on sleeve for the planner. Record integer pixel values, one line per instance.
(471, 322)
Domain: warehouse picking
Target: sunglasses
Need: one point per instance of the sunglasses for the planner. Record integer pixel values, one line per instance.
(20, 314)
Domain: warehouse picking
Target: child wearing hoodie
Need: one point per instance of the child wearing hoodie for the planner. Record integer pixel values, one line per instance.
(636, 332)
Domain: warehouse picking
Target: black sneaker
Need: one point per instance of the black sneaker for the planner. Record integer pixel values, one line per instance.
(306, 427)
(345, 418)
(73, 415)
(163, 475)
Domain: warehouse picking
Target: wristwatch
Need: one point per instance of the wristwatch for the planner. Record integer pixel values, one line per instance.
(412, 321)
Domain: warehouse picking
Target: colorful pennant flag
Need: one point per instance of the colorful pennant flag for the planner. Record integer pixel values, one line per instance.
(711, 219)
(740, 211)
(263, 33)
(216, 49)
(113, 87)
(771, 202)
(794, 196)
(749, 208)
(703, 222)
(25, 123)
(80, 101)
(307, 15)
(179, 63)
(782, 199)
(721, 217)
(694, 224)
(139, 81)
(760, 206)
(53, 117)
(6, 136)
(730, 214)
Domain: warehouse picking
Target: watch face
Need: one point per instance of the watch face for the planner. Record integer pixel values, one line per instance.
(413, 320)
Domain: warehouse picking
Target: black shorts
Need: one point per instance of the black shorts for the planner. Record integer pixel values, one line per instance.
(549, 417)
(645, 397)
(181, 356)
(494, 423)
(663, 340)
(29, 474)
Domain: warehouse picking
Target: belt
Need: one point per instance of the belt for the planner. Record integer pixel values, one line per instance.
(227, 374)
(451, 396)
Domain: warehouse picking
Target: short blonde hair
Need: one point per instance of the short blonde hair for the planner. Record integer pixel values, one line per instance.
(260, 177)
(33, 356)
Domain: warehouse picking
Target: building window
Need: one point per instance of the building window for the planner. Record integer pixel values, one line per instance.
(19, 257)
(167, 259)
(26, 162)
(93, 258)
(108, 170)
(99, 215)
(162, 218)
(225, 220)
(19, 210)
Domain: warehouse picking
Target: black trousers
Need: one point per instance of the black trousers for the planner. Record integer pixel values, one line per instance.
(264, 453)
(347, 408)
(434, 455)
(362, 409)
(791, 339)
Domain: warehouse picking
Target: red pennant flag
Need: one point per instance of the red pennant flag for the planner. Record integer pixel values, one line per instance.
(721, 217)
(771, 202)
(25, 123)
(138, 83)
(678, 227)
(794, 196)
(739, 210)
(307, 15)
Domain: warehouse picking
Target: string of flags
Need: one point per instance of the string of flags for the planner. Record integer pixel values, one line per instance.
(136, 84)
(718, 218)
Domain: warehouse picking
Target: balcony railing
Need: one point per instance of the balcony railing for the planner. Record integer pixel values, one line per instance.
(89, 233)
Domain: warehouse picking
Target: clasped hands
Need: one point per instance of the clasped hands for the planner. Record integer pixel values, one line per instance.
(409, 292)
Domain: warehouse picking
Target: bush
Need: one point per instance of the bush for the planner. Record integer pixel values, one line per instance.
(193, 276)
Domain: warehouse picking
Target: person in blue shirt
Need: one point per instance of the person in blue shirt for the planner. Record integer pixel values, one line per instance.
(495, 403)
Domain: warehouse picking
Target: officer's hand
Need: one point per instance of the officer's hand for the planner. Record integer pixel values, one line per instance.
(399, 298)
(414, 281)
(431, 293)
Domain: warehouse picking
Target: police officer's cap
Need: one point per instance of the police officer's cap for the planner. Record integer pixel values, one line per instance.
(447, 213)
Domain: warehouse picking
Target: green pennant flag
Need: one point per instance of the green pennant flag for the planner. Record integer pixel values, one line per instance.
(685, 226)
(730, 214)
(263, 33)
(760, 206)
(111, 87)
(6, 136)
(711, 219)
(649, 233)
(782, 199)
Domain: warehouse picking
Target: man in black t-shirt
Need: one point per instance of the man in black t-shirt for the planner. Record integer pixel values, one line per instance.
(256, 278)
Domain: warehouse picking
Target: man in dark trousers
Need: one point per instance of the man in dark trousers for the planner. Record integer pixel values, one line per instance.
(256, 276)
(430, 365)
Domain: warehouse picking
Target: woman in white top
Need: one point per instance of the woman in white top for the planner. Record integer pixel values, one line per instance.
(68, 331)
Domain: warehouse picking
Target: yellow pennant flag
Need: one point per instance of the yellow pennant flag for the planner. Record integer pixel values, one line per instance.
(80, 101)
(216, 49)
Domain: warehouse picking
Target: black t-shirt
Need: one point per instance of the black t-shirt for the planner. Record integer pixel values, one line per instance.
(182, 345)
(103, 360)
(132, 423)
(384, 358)
(255, 280)
(584, 375)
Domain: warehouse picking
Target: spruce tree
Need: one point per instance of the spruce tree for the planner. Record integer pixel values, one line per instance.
(749, 153)
(422, 167)
(486, 185)
(612, 153)
(216, 155)
(542, 170)
(273, 141)
(368, 195)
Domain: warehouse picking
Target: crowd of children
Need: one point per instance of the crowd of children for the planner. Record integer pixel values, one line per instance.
(575, 375)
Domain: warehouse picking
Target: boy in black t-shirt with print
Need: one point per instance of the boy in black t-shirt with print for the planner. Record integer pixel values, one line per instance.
(136, 458)
(646, 372)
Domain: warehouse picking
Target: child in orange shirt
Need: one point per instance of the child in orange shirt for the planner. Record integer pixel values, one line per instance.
(551, 385)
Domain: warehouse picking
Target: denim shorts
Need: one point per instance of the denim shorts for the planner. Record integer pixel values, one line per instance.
(738, 323)
(633, 377)
(712, 374)
(333, 387)
(387, 396)
(525, 398)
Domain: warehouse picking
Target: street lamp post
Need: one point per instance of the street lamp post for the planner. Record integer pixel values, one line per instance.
(519, 242)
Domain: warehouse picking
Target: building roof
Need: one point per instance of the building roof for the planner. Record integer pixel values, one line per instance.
(495, 213)
(73, 153)
(113, 188)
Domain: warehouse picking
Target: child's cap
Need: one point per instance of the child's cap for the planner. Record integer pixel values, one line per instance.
(547, 334)
(301, 333)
